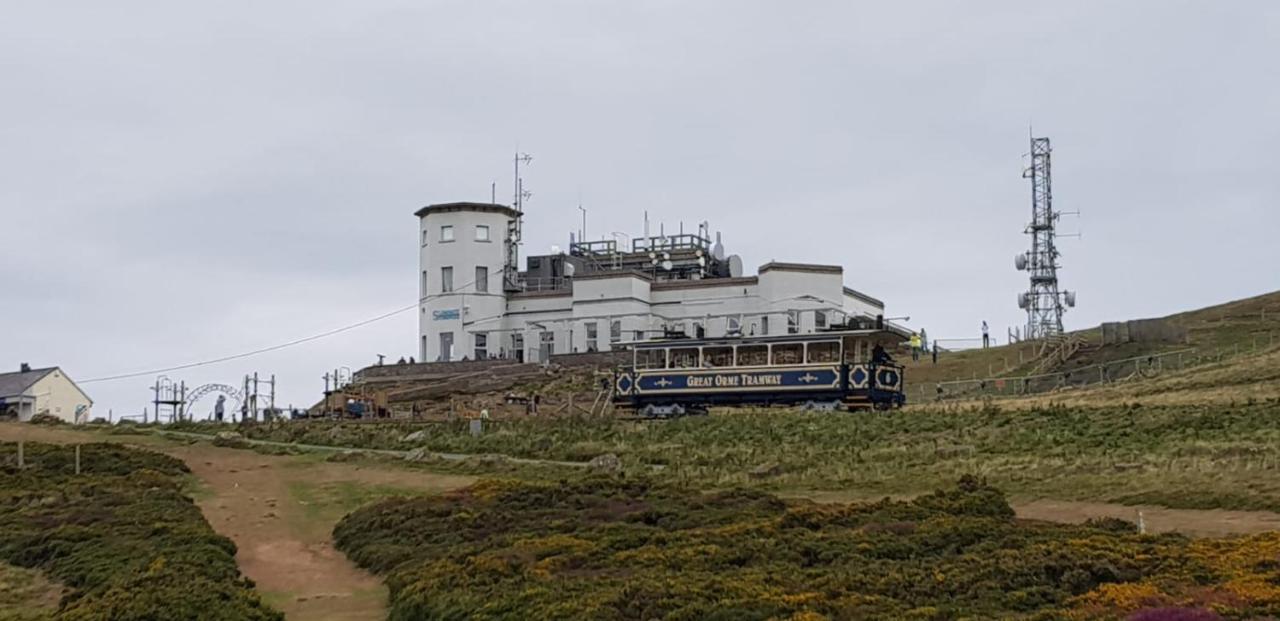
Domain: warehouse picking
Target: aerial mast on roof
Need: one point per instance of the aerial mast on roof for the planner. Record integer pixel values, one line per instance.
(515, 228)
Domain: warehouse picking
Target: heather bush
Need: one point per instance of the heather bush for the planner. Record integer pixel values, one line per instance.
(121, 535)
(620, 548)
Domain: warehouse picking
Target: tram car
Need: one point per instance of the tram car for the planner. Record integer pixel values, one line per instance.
(839, 369)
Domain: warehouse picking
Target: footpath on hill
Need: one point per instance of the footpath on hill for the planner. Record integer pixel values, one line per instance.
(280, 512)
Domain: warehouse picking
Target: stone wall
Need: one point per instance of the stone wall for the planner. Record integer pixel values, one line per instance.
(1142, 331)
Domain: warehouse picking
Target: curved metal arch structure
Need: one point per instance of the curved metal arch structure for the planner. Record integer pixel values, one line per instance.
(234, 393)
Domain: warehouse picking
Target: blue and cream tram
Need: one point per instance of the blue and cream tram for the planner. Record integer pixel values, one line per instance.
(836, 369)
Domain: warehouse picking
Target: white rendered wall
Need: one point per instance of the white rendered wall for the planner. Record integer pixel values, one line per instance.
(58, 396)
(446, 312)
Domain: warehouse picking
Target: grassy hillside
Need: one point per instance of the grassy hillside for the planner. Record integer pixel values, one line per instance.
(1241, 326)
(1186, 456)
(625, 549)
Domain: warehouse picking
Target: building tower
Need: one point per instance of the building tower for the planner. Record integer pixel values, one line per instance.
(464, 259)
(1043, 302)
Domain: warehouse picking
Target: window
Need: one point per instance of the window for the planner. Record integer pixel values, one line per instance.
(764, 326)
(638, 335)
(733, 326)
(788, 353)
(592, 327)
(820, 320)
(425, 290)
(548, 341)
(717, 356)
(824, 352)
(482, 279)
(684, 358)
(651, 359)
(446, 233)
(698, 332)
(446, 279)
(753, 355)
(482, 346)
(615, 331)
(482, 232)
(793, 322)
(425, 234)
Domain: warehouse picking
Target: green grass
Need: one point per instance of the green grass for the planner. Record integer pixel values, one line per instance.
(27, 595)
(324, 503)
(1186, 456)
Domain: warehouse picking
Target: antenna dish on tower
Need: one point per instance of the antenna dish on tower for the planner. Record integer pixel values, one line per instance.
(735, 266)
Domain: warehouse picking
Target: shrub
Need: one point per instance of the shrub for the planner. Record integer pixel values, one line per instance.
(611, 548)
(121, 535)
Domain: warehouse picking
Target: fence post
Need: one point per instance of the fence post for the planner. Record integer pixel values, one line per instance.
(77, 459)
(21, 463)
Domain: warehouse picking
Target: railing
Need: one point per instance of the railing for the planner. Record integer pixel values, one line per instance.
(555, 283)
(1113, 371)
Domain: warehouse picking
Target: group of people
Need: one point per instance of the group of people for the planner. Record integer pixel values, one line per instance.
(920, 343)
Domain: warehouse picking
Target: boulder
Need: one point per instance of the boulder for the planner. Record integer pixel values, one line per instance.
(605, 463)
(230, 439)
(420, 454)
(765, 470)
(416, 436)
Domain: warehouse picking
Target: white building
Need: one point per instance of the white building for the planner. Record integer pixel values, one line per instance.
(476, 304)
(42, 391)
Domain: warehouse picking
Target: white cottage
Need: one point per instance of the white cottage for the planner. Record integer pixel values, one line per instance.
(42, 391)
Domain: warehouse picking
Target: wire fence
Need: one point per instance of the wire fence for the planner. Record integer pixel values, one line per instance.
(1109, 372)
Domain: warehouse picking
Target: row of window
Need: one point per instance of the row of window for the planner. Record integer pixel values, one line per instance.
(481, 281)
(446, 233)
(740, 355)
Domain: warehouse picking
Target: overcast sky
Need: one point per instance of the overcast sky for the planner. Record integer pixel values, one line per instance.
(181, 181)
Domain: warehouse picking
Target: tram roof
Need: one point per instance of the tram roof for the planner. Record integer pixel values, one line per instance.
(889, 330)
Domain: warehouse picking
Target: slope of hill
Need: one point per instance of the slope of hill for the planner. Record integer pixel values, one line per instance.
(1250, 324)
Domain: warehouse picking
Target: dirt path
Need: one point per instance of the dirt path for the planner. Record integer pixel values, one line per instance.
(280, 510)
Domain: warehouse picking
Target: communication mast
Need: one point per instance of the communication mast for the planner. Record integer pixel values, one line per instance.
(1043, 302)
(511, 271)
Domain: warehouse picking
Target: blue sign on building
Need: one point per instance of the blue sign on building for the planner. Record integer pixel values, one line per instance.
(443, 315)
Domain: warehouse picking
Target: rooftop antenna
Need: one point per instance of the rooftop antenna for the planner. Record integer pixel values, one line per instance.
(515, 227)
(1043, 301)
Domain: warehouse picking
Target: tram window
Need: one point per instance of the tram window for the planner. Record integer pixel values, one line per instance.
(824, 352)
(717, 356)
(793, 322)
(788, 353)
(651, 358)
(819, 319)
(684, 358)
(753, 355)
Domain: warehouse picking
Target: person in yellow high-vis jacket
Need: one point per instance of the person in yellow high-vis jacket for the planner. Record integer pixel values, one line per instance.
(915, 346)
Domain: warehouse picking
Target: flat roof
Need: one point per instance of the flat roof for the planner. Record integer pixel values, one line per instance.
(467, 206)
(800, 267)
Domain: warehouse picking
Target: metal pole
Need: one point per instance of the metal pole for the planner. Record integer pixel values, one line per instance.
(77, 459)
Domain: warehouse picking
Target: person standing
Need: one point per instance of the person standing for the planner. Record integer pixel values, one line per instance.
(218, 408)
(915, 346)
(935, 352)
(986, 335)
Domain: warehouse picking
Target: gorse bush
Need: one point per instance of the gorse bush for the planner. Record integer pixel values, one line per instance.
(121, 536)
(603, 548)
